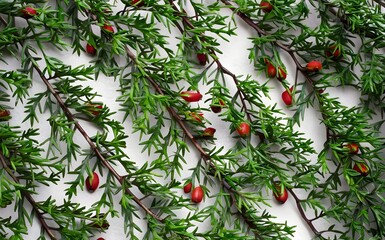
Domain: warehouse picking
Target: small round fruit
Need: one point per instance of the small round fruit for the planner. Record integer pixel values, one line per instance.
(287, 97)
(91, 50)
(28, 12)
(361, 168)
(353, 148)
(202, 58)
(187, 188)
(217, 107)
(333, 51)
(197, 194)
(191, 96)
(195, 116)
(314, 66)
(92, 183)
(243, 129)
(271, 71)
(281, 194)
(108, 28)
(100, 238)
(266, 6)
(281, 74)
(209, 132)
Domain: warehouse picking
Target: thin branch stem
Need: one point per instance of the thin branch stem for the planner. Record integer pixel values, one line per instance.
(29, 198)
(205, 156)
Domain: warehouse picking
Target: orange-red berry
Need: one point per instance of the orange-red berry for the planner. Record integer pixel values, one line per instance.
(314, 66)
(92, 182)
(187, 188)
(271, 71)
(266, 6)
(280, 194)
(28, 12)
(243, 129)
(197, 194)
(287, 96)
(281, 74)
(361, 168)
(191, 96)
(90, 49)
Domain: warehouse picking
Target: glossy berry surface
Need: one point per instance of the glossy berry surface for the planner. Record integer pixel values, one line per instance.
(287, 97)
(5, 113)
(191, 96)
(28, 12)
(361, 168)
(209, 132)
(271, 71)
(266, 6)
(108, 28)
(187, 188)
(281, 195)
(92, 183)
(91, 50)
(197, 194)
(243, 129)
(217, 107)
(314, 66)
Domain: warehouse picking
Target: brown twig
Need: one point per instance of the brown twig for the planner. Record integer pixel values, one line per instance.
(29, 198)
(205, 156)
(92, 145)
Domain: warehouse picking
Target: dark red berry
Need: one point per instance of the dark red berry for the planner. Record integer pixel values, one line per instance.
(314, 66)
(353, 148)
(217, 106)
(5, 113)
(209, 132)
(287, 96)
(202, 58)
(28, 12)
(108, 28)
(197, 194)
(266, 6)
(191, 96)
(333, 51)
(100, 238)
(243, 129)
(92, 182)
(138, 3)
(281, 74)
(90, 49)
(187, 188)
(280, 193)
(361, 168)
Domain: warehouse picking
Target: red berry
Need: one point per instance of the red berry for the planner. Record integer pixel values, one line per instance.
(202, 58)
(266, 6)
(197, 194)
(361, 168)
(333, 51)
(281, 195)
(314, 66)
(28, 12)
(217, 107)
(191, 96)
(4, 113)
(187, 188)
(108, 28)
(287, 97)
(271, 71)
(243, 129)
(90, 49)
(92, 183)
(196, 116)
(281, 74)
(100, 238)
(209, 132)
(353, 148)
(138, 3)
